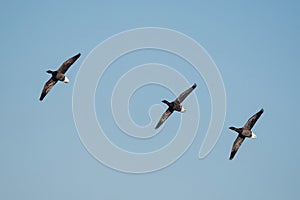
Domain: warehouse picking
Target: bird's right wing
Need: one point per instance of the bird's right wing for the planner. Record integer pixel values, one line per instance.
(183, 95)
(252, 120)
(163, 118)
(47, 87)
(236, 145)
(65, 66)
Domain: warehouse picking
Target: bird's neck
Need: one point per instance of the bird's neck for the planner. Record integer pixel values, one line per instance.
(166, 102)
(239, 130)
(50, 71)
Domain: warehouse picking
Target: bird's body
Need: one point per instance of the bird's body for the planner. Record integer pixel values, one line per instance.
(58, 75)
(174, 106)
(244, 132)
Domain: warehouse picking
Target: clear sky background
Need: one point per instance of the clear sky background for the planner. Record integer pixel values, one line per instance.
(256, 47)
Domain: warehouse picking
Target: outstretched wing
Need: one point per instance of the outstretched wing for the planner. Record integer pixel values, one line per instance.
(163, 118)
(47, 87)
(183, 95)
(250, 123)
(236, 145)
(65, 66)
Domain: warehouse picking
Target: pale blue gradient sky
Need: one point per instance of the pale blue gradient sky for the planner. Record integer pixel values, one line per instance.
(256, 47)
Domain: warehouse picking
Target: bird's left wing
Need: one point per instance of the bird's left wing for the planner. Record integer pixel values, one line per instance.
(65, 66)
(183, 95)
(252, 120)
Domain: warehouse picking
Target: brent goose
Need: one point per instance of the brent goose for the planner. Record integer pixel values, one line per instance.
(244, 132)
(58, 75)
(175, 105)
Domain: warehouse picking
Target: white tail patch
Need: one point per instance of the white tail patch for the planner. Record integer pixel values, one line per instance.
(66, 80)
(182, 109)
(253, 136)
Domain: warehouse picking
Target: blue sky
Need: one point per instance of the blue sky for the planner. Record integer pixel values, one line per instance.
(255, 46)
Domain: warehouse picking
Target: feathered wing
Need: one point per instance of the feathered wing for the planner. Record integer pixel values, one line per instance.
(252, 120)
(65, 66)
(183, 95)
(236, 145)
(163, 118)
(47, 87)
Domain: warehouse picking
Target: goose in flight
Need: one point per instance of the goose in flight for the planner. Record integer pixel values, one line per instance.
(175, 105)
(58, 75)
(244, 132)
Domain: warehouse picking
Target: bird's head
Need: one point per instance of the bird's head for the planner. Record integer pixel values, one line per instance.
(49, 71)
(165, 102)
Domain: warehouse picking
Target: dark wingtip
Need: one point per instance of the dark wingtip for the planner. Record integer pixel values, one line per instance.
(157, 126)
(78, 55)
(42, 97)
(194, 86)
(231, 156)
(262, 110)
(231, 127)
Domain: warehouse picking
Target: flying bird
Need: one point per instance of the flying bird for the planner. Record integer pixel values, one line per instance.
(58, 75)
(244, 132)
(175, 105)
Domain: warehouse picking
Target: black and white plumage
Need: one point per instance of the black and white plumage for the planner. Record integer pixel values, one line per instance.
(244, 132)
(58, 75)
(175, 105)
